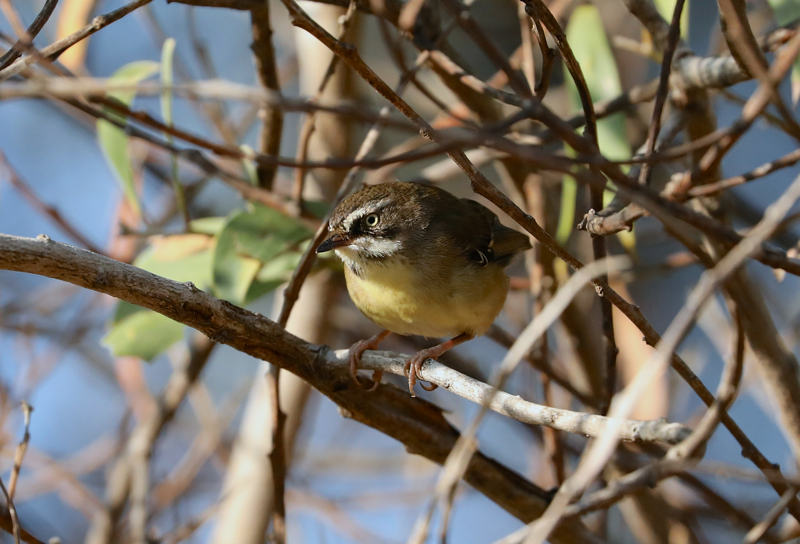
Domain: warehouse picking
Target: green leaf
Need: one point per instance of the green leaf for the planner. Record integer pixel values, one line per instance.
(181, 257)
(273, 274)
(233, 273)
(317, 208)
(593, 52)
(667, 7)
(125, 309)
(143, 334)
(627, 238)
(249, 165)
(566, 219)
(167, 53)
(131, 74)
(113, 140)
(208, 225)
(114, 144)
(785, 11)
(281, 267)
(250, 238)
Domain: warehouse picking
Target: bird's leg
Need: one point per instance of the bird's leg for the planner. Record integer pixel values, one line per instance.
(357, 350)
(414, 364)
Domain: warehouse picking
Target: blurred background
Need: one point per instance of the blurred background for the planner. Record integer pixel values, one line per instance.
(91, 367)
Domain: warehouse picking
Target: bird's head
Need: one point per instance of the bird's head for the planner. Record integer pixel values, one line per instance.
(375, 224)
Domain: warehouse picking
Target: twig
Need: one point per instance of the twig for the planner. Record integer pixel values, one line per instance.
(269, 140)
(338, 517)
(195, 157)
(215, 111)
(506, 340)
(22, 448)
(447, 511)
(184, 473)
(14, 19)
(55, 49)
(513, 406)
(726, 393)
(33, 30)
(425, 32)
(620, 213)
(549, 56)
(790, 159)
(463, 18)
(766, 115)
(451, 67)
(642, 195)
(277, 457)
(663, 87)
(19, 454)
(757, 102)
(309, 124)
(12, 510)
(212, 111)
(747, 52)
(526, 48)
(741, 41)
(350, 56)
(722, 505)
(757, 532)
(186, 530)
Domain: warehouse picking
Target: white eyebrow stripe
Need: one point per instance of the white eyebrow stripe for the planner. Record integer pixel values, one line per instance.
(357, 214)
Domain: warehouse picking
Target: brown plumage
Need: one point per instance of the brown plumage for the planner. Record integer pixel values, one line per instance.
(420, 261)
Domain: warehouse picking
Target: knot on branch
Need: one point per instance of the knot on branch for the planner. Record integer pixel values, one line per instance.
(530, 10)
(597, 224)
(661, 430)
(678, 187)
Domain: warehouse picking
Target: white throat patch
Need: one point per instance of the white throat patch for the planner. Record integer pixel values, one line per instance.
(361, 253)
(366, 247)
(377, 247)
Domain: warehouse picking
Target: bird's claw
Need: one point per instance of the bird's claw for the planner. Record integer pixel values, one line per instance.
(412, 368)
(354, 355)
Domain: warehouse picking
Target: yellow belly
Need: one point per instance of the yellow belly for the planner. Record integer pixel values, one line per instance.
(392, 295)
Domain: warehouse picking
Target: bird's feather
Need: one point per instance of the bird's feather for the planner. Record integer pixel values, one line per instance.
(478, 230)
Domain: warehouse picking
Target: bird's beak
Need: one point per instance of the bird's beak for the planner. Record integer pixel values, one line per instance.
(337, 240)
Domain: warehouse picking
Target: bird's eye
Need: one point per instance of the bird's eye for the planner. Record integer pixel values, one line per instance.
(372, 219)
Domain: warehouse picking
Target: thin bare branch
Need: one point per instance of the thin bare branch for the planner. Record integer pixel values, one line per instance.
(33, 30)
(55, 49)
(517, 408)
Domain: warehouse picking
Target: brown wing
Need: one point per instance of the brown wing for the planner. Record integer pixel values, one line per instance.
(484, 239)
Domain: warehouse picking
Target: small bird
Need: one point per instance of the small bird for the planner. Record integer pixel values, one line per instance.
(420, 261)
